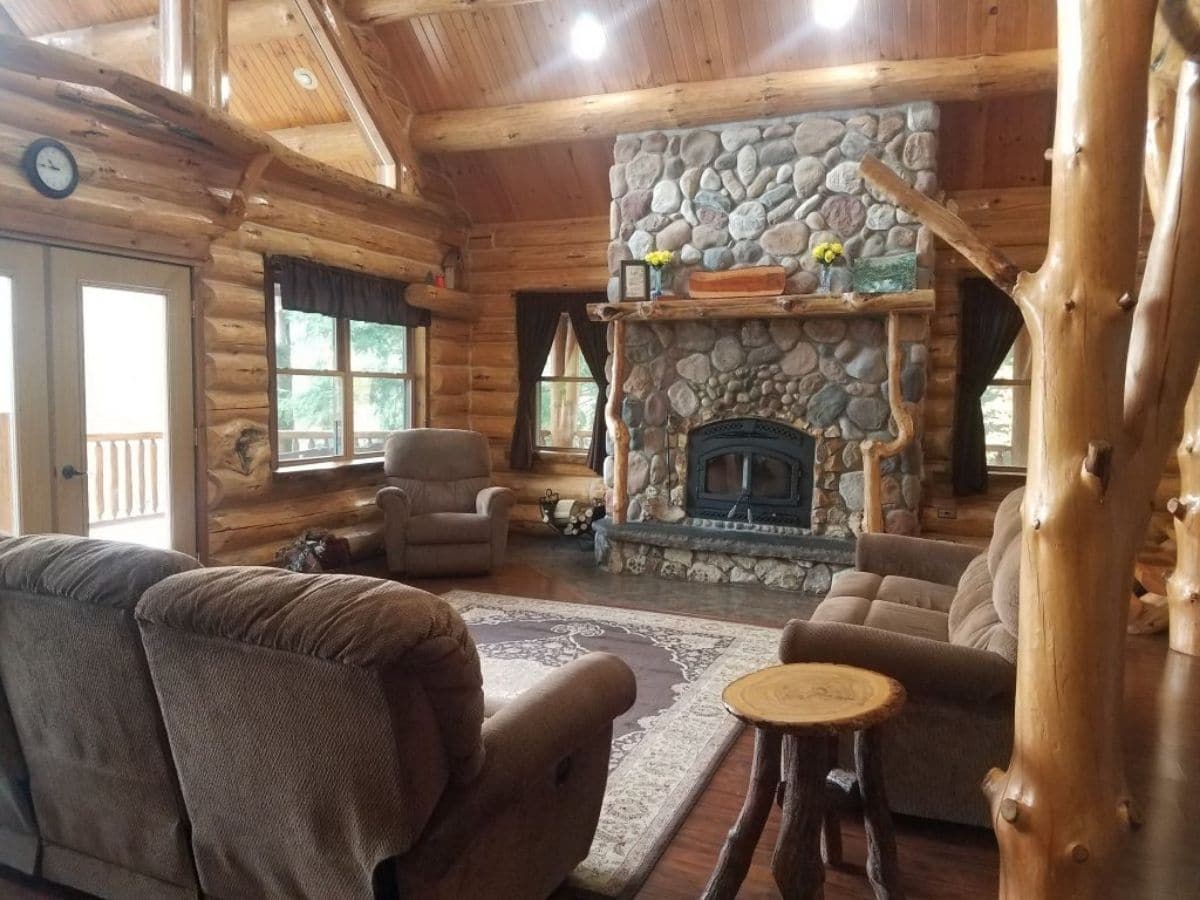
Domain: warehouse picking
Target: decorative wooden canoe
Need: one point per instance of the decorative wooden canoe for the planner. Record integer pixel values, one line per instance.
(759, 281)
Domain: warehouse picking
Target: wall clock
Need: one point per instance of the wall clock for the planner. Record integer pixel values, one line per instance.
(51, 168)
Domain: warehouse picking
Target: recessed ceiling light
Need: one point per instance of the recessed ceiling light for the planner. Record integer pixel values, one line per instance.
(588, 37)
(833, 14)
(305, 78)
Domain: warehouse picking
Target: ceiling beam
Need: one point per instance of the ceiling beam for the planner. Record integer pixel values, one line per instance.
(695, 103)
(337, 142)
(134, 41)
(380, 12)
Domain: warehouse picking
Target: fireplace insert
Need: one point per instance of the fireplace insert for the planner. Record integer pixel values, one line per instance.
(753, 470)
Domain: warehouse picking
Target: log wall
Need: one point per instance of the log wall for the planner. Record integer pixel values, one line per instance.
(558, 255)
(151, 195)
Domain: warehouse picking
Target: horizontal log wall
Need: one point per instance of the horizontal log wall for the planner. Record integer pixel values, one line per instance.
(559, 255)
(141, 196)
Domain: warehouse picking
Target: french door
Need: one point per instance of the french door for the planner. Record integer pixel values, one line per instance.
(101, 440)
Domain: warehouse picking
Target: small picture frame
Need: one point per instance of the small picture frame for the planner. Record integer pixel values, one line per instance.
(635, 280)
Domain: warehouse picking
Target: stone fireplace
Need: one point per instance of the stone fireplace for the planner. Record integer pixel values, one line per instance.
(745, 452)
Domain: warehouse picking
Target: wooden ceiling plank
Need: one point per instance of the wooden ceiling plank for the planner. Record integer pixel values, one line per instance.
(701, 103)
(382, 12)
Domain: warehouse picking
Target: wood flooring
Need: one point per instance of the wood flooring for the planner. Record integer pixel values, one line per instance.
(938, 862)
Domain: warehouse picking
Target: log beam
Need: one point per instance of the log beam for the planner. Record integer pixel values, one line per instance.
(337, 142)
(133, 41)
(212, 129)
(375, 102)
(736, 99)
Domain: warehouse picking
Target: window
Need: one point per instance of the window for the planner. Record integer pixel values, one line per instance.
(341, 386)
(567, 393)
(1006, 409)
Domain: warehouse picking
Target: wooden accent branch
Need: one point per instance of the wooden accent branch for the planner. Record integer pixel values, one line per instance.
(616, 425)
(789, 306)
(954, 231)
(220, 132)
(874, 452)
(735, 99)
(235, 212)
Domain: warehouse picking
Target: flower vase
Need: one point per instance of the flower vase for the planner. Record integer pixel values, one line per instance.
(826, 283)
(656, 282)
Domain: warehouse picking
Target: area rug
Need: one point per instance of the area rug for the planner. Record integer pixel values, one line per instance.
(666, 747)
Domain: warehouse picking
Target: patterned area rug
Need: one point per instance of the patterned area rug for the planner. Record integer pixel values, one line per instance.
(666, 747)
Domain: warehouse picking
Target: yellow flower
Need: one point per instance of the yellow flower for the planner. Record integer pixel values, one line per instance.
(830, 256)
(838, 249)
(819, 251)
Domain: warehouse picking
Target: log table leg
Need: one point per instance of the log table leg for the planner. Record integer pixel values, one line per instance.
(738, 850)
(882, 867)
(797, 867)
(831, 830)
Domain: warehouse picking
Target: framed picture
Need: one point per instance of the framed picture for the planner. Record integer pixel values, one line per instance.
(635, 279)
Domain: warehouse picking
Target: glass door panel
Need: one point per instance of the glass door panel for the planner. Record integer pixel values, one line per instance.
(10, 511)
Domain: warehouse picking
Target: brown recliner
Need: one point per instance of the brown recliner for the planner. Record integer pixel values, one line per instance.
(441, 514)
(85, 718)
(941, 618)
(330, 740)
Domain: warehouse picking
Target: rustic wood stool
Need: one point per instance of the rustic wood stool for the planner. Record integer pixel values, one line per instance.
(808, 705)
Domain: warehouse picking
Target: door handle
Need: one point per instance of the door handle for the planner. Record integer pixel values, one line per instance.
(69, 472)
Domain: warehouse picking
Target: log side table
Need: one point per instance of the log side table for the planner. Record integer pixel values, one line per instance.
(808, 705)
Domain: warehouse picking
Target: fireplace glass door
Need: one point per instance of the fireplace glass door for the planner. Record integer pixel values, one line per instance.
(751, 470)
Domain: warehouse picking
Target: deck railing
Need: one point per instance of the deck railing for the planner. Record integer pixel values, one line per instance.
(125, 480)
(296, 443)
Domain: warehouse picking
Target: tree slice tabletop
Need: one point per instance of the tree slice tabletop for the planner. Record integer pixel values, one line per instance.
(814, 698)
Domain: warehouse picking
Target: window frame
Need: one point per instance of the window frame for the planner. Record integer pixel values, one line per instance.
(416, 352)
(562, 453)
(1012, 384)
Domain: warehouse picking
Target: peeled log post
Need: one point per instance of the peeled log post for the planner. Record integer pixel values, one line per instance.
(1183, 587)
(874, 452)
(1107, 393)
(617, 427)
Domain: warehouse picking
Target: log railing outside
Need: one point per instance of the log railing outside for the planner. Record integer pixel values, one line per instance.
(125, 478)
(315, 443)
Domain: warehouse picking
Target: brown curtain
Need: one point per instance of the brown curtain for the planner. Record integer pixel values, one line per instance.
(988, 324)
(593, 344)
(537, 321)
(315, 288)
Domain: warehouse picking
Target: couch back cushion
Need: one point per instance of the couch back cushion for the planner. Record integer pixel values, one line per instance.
(984, 612)
(83, 705)
(441, 469)
(315, 720)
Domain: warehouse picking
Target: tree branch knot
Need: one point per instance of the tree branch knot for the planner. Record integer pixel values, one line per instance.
(1178, 507)
(1097, 463)
(1127, 301)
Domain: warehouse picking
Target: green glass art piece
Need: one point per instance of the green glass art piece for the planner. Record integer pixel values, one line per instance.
(885, 274)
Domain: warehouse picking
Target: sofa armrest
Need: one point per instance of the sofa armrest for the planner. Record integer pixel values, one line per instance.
(893, 554)
(494, 501)
(394, 502)
(529, 738)
(925, 667)
(396, 506)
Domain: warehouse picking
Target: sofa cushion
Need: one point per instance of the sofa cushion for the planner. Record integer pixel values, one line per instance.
(848, 610)
(853, 583)
(974, 620)
(1006, 586)
(450, 528)
(910, 620)
(914, 592)
(1006, 528)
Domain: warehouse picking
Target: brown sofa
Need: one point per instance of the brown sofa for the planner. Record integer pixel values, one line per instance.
(942, 619)
(330, 740)
(441, 514)
(85, 720)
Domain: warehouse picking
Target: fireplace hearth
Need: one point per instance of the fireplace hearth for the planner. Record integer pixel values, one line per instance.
(750, 469)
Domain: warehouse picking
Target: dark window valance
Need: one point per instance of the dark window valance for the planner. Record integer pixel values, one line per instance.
(311, 287)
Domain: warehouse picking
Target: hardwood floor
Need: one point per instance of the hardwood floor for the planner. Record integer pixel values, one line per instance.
(938, 862)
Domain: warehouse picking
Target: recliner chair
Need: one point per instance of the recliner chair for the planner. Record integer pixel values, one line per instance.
(441, 514)
(330, 740)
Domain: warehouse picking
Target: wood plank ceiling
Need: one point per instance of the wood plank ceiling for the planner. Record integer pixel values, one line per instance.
(521, 53)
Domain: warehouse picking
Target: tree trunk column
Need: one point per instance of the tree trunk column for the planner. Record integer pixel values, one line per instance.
(1183, 587)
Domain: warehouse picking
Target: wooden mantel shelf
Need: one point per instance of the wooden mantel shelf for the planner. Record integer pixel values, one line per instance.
(785, 306)
(444, 302)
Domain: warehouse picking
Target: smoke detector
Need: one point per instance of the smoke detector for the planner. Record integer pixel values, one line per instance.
(305, 78)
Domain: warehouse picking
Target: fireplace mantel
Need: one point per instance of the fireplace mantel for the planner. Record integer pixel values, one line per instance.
(794, 306)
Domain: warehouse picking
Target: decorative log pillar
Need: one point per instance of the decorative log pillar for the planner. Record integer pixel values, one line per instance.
(1183, 587)
(617, 427)
(194, 44)
(874, 452)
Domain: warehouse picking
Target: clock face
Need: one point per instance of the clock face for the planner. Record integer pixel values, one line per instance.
(51, 168)
(55, 168)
